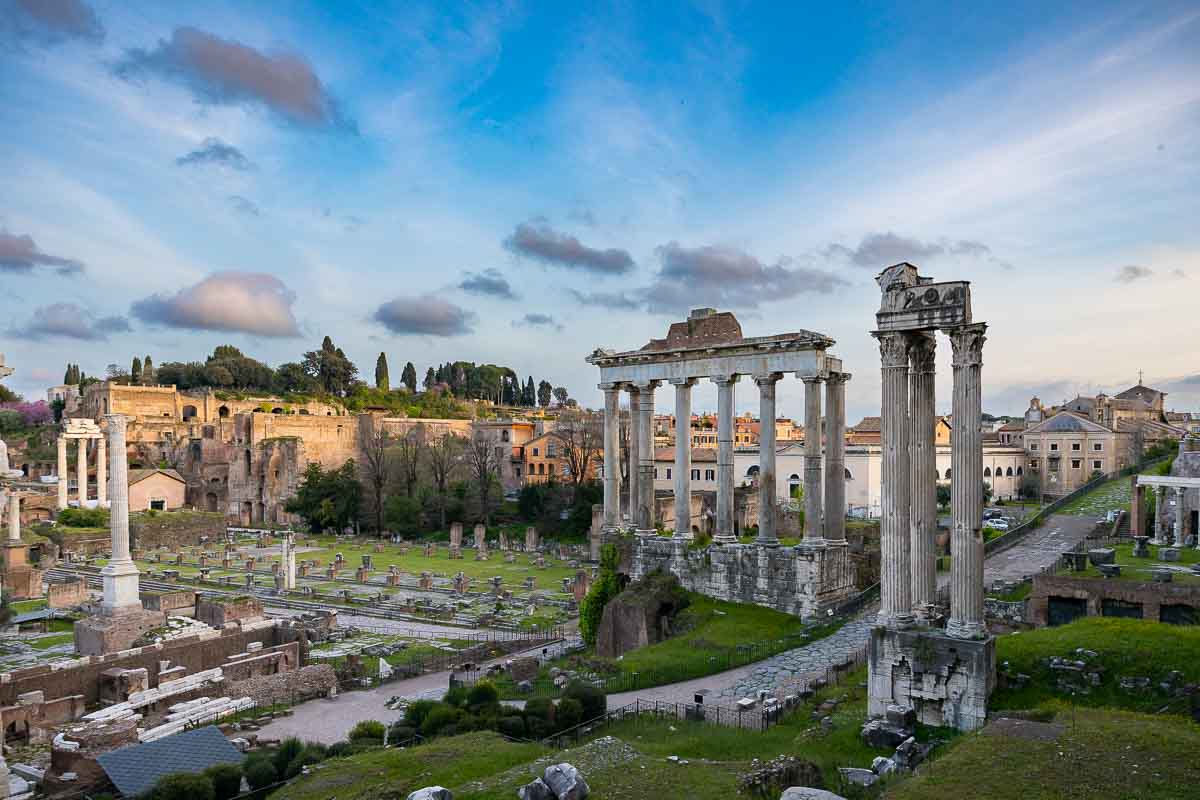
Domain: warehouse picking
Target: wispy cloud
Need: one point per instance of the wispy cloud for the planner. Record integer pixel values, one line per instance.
(878, 250)
(426, 315)
(19, 253)
(244, 206)
(535, 320)
(489, 283)
(537, 240)
(224, 72)
(237, 302)
(52, 21)
(1133, 272)
(68, 321)
(614, 301)
(215, 151)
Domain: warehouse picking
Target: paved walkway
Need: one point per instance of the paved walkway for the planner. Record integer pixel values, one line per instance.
(1035, 552)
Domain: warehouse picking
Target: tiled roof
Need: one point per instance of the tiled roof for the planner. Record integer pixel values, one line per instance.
(699, 454)
(135, 769)
(1139, 392)
(137, 475)
(867, 425)
(1067, 422)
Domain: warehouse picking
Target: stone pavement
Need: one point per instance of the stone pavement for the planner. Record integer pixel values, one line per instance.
(1035, 552)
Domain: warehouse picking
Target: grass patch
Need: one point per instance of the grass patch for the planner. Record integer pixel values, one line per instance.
(449, 762)
(1108, 496)
(25, 606)
(1125, 648)
(51, 640)
(1021, 592)
(1101, 755)
(1138, 569)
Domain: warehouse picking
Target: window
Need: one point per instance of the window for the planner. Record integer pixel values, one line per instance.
(668, 473)
(1075, 447)
(566, 470)
(535, 451)
(504, 436)
(1008, 473)
(1076, 463)
(1097, 446)
(947, 474)
(1033, 446)
(1097, 465)
(987, 472)
(710, 474)
(1053, 447)
(1019, 470)
(517, 471)
(550, 450)
(850, 477)
(1033, 464)
(656, 473)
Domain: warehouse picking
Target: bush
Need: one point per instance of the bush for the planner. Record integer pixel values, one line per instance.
(340, 749)
(483, 694)
(289, 748)
(606, 587)
(183, 786)
(83, 517)
(368, 730)
(260, 773)
(401, 732)
(440, 719)
(513, 727)
(540, 708)
(309, 755)
(226, 780)
(568, 714)
(591, 699)
(456, 696)
(415, 714)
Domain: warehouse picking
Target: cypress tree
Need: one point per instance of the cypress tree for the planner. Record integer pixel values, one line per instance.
(135, 371)
(430, 379)
(147, 371)
(409, 377)
(382, 382)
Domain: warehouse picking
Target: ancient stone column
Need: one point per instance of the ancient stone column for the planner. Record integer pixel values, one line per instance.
(635, 453)
(81, 467)
(102, 471)
(120, 574)
(895, 593)
(1180, 493)
(612, 454)
(835, 457)
(1160, 499)
(966, 485)
(766, 459)
(683, 456)
(923, 487)
(813, 530)
(62, 472)
(725, 527)
(14, 517)
(645, 465)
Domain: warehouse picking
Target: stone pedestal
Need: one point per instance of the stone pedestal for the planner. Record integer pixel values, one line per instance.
(109, 633)
(945, 680)
(21, 580)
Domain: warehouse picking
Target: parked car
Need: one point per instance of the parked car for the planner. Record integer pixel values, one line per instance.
(997, 523)
(992, 513)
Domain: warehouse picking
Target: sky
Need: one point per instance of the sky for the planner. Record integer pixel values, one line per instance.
(521, 183)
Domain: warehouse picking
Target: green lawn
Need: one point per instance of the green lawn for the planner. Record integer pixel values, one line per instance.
(1139, 569)
(52, 640)
(1125, 648)
(25, 606)
(1016, 595)
(1100, 755)
(1114, 494)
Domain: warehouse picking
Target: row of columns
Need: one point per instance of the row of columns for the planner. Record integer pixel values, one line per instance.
(909, 493)
(1160, 503)
(825, 513)
(82, 470)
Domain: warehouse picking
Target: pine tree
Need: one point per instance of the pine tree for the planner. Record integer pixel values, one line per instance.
(529, 394)
(382, 382)
(135, 371)
(544, 391)
(67, 375)
(409, 377)
(430, 379)
(148, 371)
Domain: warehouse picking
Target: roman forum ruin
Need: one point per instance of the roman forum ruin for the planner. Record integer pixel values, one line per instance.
(82, 431)
(810, 578)
(944, 675)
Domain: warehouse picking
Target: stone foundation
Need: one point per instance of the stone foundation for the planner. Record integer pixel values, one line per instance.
(946, 681)
(804, 580)
(102, 634)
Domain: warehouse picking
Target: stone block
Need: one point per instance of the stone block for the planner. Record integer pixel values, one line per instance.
(566, 782)
(1102, 555)
(1168, 554)
(808, 793)
(1109, 570)
(1162, 575)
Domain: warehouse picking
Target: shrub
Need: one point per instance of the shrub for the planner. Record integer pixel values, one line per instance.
(183, 786)
(289, 748)
(592, 700)
(340, 749)
(513, 727)
(456, 696)
(260, 773)
(415, 714)
(440, 719)
(226, 780)
(568, 714)
(83, 517)
(606, 587)
(540, 708)
(309, 755)
(368, 730)
(401, 732)
(483, 694)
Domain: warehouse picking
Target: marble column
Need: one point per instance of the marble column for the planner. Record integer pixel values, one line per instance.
(1180, 493)
(102, 471)
(923, 486)
(14, 517)
(120, 574)
(82, 470)
(635, 458)
(683, 456)
(813, 531)
(835, 457)
(645, 434)
(766, 459)
(1160, 499)
(725, 528)
(895, 589)
(62, 472)
(612, 455)
(966, 485)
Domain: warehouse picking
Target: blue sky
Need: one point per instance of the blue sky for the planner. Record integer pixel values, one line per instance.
(520, 183)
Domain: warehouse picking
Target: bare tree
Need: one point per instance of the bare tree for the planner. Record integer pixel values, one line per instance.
(580, 434)
(483, 459)
(378, 467)
(409, 453)
(444, 456)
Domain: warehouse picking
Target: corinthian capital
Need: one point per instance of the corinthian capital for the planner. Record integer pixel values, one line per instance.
(921, 352)
(966, 344)
(116, 422)
(893, 349)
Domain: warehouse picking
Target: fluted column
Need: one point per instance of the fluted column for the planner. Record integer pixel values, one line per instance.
(683, 456)
(635, 456)
(102, 471)
(1160, 499)
(81, 468)
(120, 574)
(612, 455)
(813, 530)
(645, 433)
(62, 472)
(766, 459)
(14, 517)
(835, 457)
(725, 527)
(1180, 493)
(923, 498)
(895, 592)
(966, 485)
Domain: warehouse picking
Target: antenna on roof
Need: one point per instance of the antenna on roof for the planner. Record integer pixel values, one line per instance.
(1139, 377)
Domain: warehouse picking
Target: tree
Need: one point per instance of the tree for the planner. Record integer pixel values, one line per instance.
(606, 587)
(580, 436)
(409, 450)
(943, 494)
(328, 498)
(291, 378)
(333, 372)
(226, 778)
(430, 379)
(483, 460)
(1030, 487)
(148, 376)
(561, 395)
(409, 377)
(544, 391)
(381, 374)
(529, 394)
(377, 469)
(444, 456)
(183, 786)
(987, 492)
(135, 371)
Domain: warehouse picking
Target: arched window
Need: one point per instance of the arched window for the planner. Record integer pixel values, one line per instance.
(276, 410)
(947, 474)
(1019, 470)
(987, 472)
(849, 476)
(753, 471)
(189, 412)
(1008, 473)
(223, 412)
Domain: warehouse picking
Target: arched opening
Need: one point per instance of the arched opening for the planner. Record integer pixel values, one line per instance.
(752, 472)
(262, 512)
(1019, 471)
(1008, 473)
(849, 475)
(947, 474)
(247, 463)
(277, 410)
(304, 412)
(247, 515)
(793, 484)
(210, 501)
(223, 412)
(189, 412)
(987, 472)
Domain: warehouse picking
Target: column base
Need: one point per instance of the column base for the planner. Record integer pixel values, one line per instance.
(120, 588)
(816, 543)
(960, 629)
(766, 542)
(725, 538)
(897, 622)
(644, 531)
